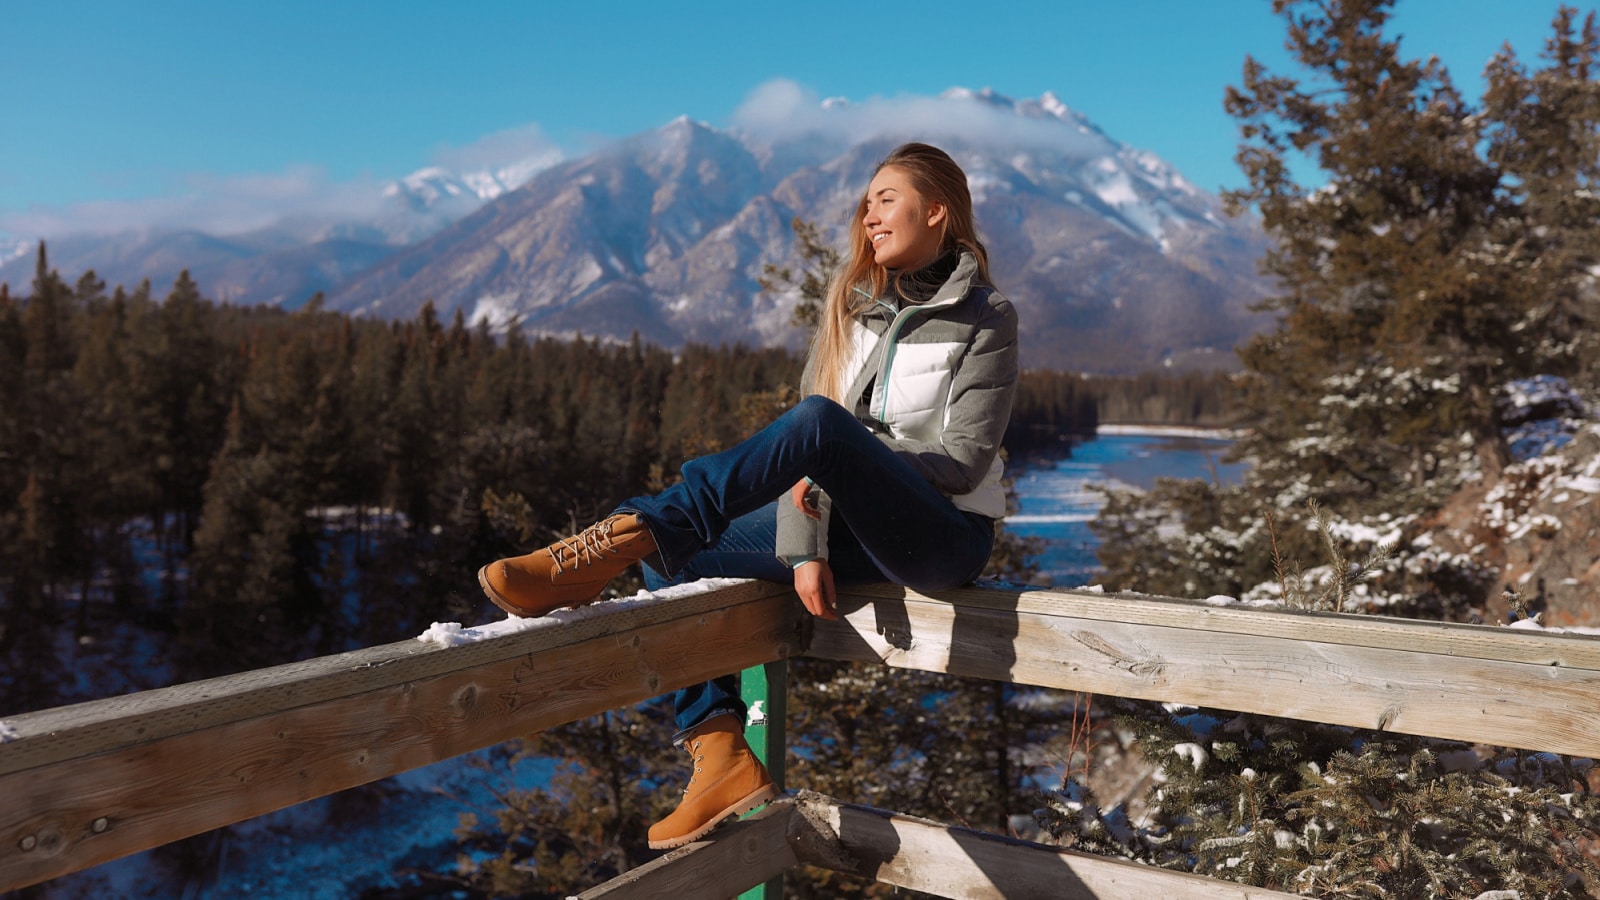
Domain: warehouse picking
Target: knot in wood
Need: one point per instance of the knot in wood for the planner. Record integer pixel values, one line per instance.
(1141, 662)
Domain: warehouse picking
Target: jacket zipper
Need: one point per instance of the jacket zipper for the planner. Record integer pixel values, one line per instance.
(892, 335)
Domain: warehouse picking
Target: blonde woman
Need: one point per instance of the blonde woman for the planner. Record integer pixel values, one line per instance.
(887, 471)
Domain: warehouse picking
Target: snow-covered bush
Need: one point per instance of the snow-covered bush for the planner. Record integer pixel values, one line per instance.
(1330, 811)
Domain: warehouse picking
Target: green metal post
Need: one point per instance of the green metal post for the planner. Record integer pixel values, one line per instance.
(765, 690)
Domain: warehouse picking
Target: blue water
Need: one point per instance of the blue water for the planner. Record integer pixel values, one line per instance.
(1058, 498)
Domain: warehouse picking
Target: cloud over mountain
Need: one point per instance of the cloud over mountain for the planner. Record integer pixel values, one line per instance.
(781, 110)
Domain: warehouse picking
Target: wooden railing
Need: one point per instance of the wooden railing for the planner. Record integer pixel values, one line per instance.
(89, 783)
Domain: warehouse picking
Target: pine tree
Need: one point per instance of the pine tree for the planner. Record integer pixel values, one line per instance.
(1399, 315)
(1544, 135)
(1448, 252)
(818, 262)
(1331, 811)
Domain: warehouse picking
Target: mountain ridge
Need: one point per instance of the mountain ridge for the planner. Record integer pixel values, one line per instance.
(1115, 261)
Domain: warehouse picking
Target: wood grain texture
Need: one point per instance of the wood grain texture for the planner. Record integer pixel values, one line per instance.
(734, 858)
(946, 861)
(1410, 686)
(1442, 638)
(89, 799)
(970, 865)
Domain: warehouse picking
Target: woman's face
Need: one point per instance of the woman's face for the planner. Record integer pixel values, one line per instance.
(903, 227)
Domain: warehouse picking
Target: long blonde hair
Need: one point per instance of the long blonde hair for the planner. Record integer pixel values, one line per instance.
(938, 179)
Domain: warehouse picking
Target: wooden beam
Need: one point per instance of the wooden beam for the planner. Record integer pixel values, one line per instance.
(1381, 632)
(970, 865)
(1472, 683)
(89, 783)
(734, 858)
(816, 830)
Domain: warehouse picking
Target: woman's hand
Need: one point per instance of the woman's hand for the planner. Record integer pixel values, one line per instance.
(798, 495)
(813, 581)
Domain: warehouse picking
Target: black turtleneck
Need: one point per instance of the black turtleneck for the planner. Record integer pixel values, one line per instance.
(919, 285)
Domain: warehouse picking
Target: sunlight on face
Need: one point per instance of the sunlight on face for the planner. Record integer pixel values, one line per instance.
(904, 228)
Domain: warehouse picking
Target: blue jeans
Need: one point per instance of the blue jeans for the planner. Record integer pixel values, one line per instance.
(888, 523)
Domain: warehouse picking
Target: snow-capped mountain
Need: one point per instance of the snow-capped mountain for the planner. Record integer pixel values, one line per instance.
(1115, 261)
(427, 200)
(285, 264)
(435, 186)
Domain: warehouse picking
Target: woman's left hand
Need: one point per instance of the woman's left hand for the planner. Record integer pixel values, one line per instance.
(813, 581)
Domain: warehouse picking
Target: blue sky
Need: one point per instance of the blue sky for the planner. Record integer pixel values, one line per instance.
(137, 104)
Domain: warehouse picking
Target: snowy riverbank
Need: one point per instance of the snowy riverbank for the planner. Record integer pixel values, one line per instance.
(1188, 431)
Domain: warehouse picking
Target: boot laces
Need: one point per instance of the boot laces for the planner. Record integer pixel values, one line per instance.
(585, 547)
(697, 757)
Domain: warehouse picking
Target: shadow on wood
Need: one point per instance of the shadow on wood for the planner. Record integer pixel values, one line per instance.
(816, 830)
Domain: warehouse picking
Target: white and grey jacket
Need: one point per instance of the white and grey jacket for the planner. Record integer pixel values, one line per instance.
(941, 375)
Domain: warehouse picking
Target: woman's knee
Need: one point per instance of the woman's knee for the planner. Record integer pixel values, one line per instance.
(823, 414)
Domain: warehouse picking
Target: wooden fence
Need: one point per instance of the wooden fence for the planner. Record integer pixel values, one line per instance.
(93, 782)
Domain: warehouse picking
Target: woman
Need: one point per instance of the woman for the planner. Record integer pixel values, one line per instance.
(890, 465)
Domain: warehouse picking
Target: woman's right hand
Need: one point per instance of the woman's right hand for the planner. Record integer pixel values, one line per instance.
(798, 494)
(813, 581)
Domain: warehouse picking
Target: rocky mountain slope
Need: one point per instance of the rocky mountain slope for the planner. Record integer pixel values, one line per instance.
(1116, 263)
(1537, 530)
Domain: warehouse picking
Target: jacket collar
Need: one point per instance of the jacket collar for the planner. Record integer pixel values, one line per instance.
(957, 286)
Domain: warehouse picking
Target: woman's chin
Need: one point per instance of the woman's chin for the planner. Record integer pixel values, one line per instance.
(890, 259)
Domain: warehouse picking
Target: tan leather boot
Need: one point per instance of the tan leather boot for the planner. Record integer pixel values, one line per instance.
(728, 781)
(571, 571)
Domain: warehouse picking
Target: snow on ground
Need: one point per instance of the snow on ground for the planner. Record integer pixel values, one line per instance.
(498, 310)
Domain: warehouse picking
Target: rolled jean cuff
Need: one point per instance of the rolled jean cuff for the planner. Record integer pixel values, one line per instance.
(683, 735)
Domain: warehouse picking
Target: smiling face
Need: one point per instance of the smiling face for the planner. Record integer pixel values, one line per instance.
(905, 229)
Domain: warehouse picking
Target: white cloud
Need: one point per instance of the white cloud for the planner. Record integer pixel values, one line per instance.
(218, 204)
(500, 149)
(782, 109)
(232, 204)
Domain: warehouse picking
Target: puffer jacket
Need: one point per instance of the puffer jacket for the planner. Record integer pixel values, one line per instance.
(942, 375)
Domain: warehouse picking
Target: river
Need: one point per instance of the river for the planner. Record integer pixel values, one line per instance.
(1059, 496)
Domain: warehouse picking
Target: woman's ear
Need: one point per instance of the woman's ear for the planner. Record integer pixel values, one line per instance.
(936, 214)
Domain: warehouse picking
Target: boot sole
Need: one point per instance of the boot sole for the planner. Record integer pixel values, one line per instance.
(512, 608)
(495, 598)
(756, 798)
